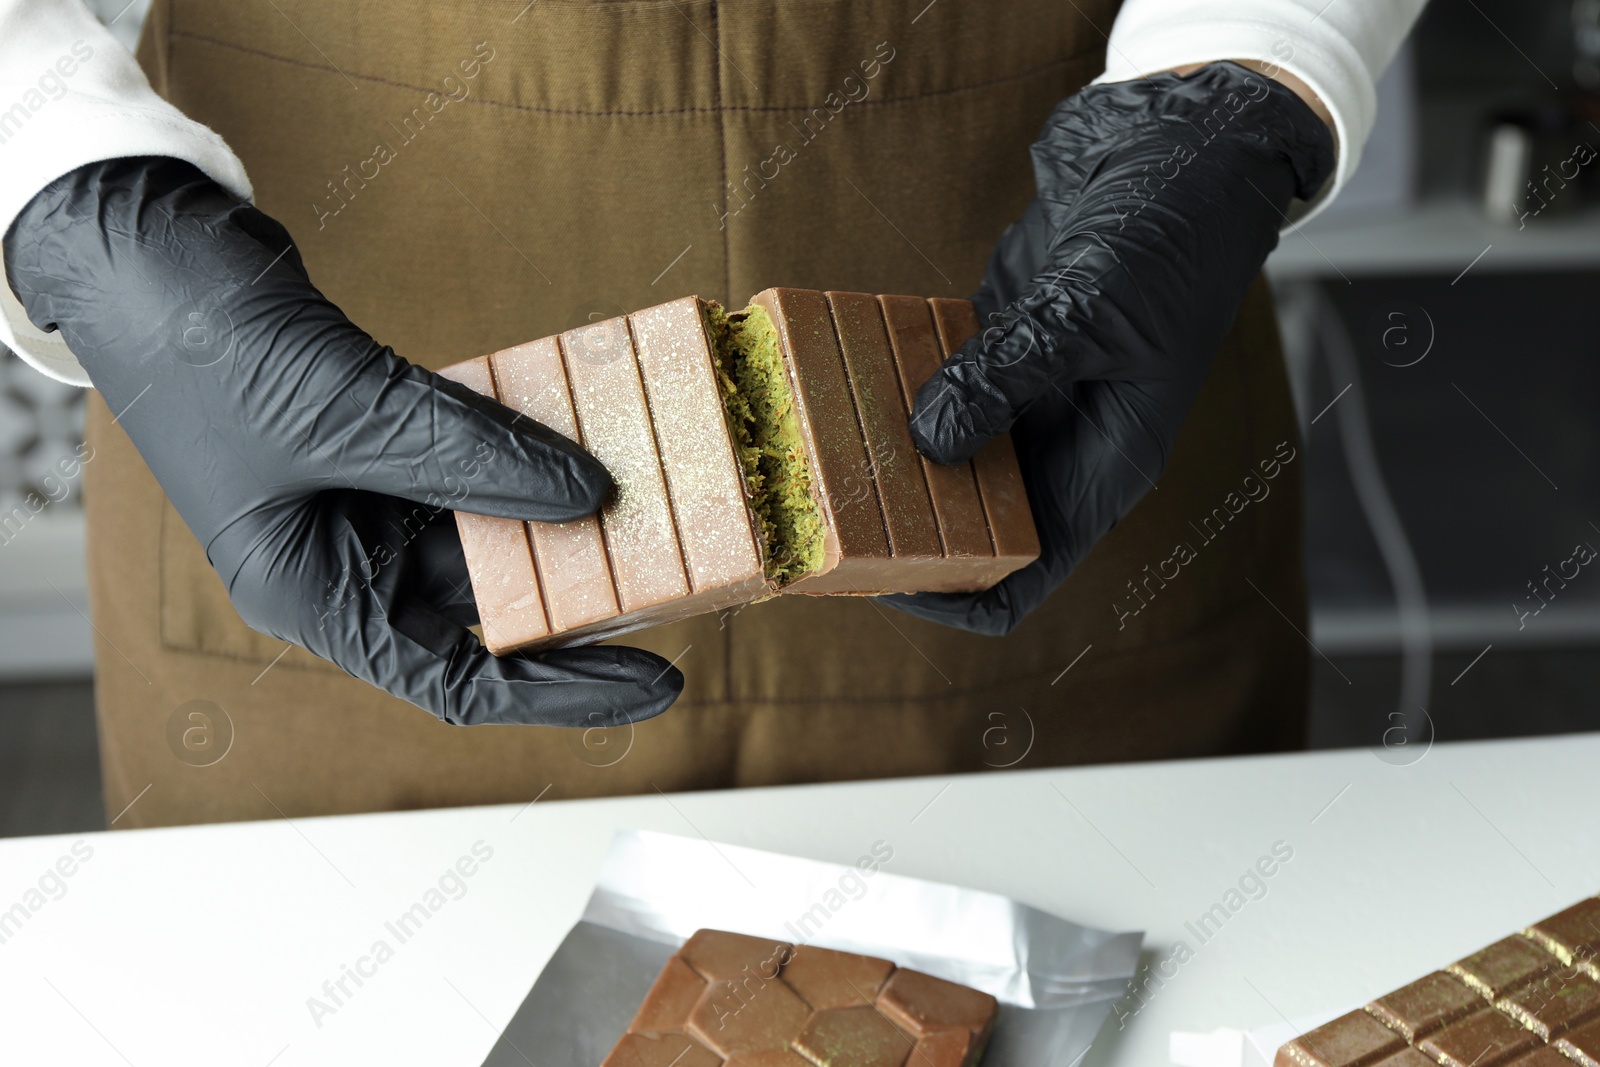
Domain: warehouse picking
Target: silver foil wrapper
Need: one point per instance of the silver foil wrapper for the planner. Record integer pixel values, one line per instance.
(1055, 980)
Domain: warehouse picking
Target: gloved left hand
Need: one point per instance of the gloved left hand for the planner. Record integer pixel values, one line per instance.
(1158, 200)
(313, 463)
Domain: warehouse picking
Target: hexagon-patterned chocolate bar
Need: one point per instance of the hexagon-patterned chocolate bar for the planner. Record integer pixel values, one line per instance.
(732, 1000)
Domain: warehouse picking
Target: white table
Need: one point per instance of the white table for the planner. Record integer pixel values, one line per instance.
(202, 945)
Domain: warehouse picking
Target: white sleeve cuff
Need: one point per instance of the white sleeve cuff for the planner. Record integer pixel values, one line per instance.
(1338, 49)
(53, 122)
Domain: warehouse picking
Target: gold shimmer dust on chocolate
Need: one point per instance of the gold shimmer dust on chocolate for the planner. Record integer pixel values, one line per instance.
(1528, 1000)
(753, 452)
(731, 1000)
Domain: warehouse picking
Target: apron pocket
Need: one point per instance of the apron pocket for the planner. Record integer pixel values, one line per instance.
(196, 615)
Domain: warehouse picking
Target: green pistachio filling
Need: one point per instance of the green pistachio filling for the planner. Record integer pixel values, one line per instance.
(760, 402)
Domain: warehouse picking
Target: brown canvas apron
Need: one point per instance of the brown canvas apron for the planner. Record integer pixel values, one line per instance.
(465, 175)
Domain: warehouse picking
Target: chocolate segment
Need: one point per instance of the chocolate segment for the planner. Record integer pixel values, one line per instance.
(676, 991)
(880, 405)
(770, 1058)
(747, 1015)
(718, 954)
(1005, 498)
(1543, 1056)
(1503, 966)
(1554, 1004)
(851, 1037)
(1422, 1007)
(829, 979)
(499, 558)
(614, 419)
(1486, 1038)
(1410, 1057)
(923, 1004)
(948, 1048)
(1582, 1045)
(1355, 1039)
(739, 1000)
(1572, 934)
(571, 556)
(962, 523)
(855, 538)
(704, 483)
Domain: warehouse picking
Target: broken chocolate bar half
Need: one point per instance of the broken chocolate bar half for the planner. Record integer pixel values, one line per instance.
(1528, 1000)
(754, 452)
(730, 1000)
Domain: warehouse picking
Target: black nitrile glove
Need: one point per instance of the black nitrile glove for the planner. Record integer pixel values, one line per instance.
(315, 465)
(1158, 201)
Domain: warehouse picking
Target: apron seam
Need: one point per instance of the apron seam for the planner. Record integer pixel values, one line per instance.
(717, 108)
(722, 147)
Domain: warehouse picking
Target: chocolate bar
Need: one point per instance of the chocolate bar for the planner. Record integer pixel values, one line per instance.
(1528, 1000)
(730, 1000)
(754, 452)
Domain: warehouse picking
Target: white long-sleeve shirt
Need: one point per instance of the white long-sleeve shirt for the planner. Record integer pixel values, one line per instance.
(70, 95)
(1337, 47)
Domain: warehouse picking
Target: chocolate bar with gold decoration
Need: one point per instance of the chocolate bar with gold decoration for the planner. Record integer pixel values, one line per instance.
(1528, 1000)
(754, 452)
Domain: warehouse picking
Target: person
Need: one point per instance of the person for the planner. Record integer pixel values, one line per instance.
(269, 486)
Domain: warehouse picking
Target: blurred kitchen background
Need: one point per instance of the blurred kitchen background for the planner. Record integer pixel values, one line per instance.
(1442, 325)
(1455, 292)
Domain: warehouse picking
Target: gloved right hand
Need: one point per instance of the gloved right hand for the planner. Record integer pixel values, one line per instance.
(314, 464)
(1158, 201)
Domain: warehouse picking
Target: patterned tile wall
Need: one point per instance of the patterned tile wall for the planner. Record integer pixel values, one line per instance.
(41, 431)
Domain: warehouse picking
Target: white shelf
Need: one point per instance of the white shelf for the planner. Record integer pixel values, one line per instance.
(1441, 237)
(44, 600)
(1454, 628)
